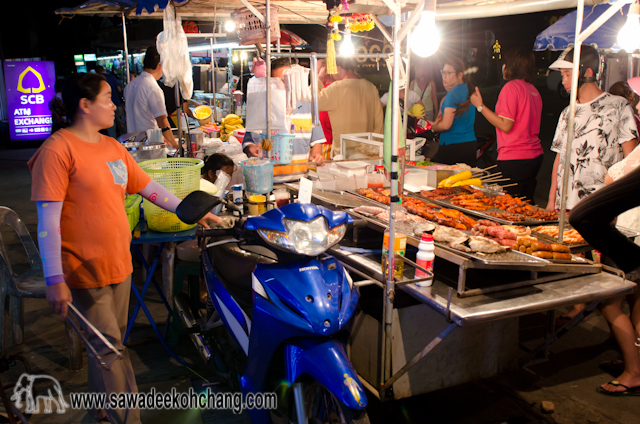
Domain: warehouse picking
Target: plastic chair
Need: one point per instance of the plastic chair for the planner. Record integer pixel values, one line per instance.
(30, 284)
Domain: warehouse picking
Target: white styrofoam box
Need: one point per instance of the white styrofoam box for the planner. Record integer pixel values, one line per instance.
(325, 184)
(345, 183)
(353, 168)
(361, 181)
(416, 177)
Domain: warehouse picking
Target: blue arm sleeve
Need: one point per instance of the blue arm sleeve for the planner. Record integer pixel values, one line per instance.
(160, 196)
(50, 241)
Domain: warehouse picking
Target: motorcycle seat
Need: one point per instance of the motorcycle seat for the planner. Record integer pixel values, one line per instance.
(234, 265)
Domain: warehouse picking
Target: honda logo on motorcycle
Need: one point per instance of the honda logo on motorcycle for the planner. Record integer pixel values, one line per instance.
(309, 268)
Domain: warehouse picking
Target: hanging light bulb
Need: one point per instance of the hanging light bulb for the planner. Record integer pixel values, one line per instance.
(229, 26)
(629, 35)
(243, 55)
(234, 59)
(425, 39)
(347, 48)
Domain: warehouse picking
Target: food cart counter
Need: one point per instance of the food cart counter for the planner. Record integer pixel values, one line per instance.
(466, 332)
(466, 311)
(463, 338)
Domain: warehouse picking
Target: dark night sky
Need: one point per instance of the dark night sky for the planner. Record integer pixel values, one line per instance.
(38, 32)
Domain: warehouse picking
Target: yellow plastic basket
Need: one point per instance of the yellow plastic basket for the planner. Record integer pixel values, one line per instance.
(180, 176)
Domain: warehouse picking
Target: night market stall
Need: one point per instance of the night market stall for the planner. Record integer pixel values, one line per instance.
(480, 287)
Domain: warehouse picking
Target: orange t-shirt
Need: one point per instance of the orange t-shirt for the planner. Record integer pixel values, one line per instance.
(91, 180)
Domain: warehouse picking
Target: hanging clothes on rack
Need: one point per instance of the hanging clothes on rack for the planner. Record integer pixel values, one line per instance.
(296, 82)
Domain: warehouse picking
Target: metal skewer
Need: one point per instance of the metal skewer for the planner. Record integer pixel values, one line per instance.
(95, 331)
(89, 345)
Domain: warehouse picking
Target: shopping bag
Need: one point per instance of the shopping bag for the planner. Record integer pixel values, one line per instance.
(257, 104)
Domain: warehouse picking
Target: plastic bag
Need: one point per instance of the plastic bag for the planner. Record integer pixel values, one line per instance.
(174, 57)
(222, 181)
(257, 104)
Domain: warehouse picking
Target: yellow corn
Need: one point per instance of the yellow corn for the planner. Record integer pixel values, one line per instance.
(468, 182)
(460, 176)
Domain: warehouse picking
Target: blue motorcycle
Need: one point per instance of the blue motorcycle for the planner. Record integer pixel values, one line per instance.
(281, 311)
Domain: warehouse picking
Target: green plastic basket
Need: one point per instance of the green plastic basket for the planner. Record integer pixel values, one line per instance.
(132, 206)
(180, 176)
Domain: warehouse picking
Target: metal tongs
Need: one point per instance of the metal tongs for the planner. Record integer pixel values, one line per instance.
(97, 333)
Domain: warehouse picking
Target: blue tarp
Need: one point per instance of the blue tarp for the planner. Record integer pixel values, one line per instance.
(116, 4)
(150, 5)
(562, 33)
(121, 5)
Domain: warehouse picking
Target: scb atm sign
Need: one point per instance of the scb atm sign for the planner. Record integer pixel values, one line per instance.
(30, 88)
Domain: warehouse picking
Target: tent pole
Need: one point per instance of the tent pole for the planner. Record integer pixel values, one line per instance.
(389, 292)
(179, 113)
(213, 71)
(572, 113)
(126, 48)
(267, 25)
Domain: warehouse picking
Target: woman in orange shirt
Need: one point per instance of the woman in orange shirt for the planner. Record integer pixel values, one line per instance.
(79, 181)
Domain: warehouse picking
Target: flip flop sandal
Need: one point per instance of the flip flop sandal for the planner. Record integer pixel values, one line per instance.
(615, 368)
(630, 391)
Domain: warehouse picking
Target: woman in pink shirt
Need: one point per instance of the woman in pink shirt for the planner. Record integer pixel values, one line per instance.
(517, 122)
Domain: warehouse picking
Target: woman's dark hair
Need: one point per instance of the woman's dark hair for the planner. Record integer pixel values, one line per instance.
(58, 117)
(458, 67)
(622, 89)
(347, 63)
(57, 87)
(76, 87)
(151, 58)
(215, 162)
(519, 64)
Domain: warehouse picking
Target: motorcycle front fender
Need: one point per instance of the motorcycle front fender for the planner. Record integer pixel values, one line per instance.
(329, 364)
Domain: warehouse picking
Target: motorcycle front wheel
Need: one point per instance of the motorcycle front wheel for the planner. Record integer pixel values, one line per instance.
(324, 408)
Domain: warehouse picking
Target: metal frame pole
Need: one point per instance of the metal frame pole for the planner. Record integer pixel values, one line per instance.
(126, 48)
(389, 293)
(315, 117)
(179, 113)
(213, 72)
(572, 113)
(267, 25)
(405, 118)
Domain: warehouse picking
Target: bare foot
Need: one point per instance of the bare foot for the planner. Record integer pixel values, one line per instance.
(625, 379)
(564, 318)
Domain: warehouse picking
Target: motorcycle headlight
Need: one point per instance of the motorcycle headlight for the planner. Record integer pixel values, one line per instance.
(306, 238)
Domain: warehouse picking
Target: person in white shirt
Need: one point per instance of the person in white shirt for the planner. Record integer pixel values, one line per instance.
(144, 100)
(605, 132)
(414, 98)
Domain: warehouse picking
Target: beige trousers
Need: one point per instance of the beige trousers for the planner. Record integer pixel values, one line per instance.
(107, 308)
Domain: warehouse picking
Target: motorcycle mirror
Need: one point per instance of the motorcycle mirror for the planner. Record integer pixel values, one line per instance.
(195, 206)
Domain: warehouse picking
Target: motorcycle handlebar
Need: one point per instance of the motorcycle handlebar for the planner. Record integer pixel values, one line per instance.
(222, 232)
(214, 232)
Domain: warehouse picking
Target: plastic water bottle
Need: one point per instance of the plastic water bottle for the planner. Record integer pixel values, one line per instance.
(238, 200)
(425, 258)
